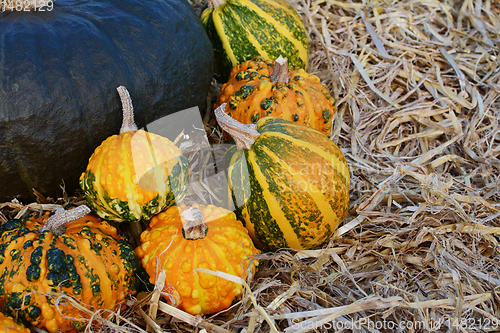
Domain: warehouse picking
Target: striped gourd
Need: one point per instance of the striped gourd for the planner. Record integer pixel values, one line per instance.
(242, 29)
(289, 182)
(134, 175)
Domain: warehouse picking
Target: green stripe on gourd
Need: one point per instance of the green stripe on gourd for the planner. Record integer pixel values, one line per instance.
(321, 158)
(245, 189)
(242, 29)
(281, 189)
(260, 30)
(285, 14)
(289, 182)
(237, 166)
(317, 168)
(285, 21)
(309, 136)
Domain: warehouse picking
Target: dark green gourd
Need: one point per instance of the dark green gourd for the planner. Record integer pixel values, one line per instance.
(59, 70)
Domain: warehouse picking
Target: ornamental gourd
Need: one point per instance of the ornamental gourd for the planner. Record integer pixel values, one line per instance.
(50, 262)
(59, 69)
(136, 174)
(242, 29)
(259, 88)
(183, 239)
(8, 325)
(289, 182)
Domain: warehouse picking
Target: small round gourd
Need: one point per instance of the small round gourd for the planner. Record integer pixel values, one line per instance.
(134, 175)
(289, 182)
(48, 261)
(259, 88)
(183, 239)
(242, 29)
(8, 325)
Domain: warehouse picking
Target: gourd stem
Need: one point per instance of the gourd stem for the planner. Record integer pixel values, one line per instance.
(56, 224)
(194, 226)
(128, 124)
(280, 71)
(214, 4)
(243, 134)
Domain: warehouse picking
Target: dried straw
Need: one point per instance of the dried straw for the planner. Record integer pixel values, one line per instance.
(417, 84)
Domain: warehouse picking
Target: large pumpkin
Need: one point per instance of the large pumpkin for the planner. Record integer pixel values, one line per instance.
(8, 325)
(46, 261)
(289, 182)
(242, 29)
(259, 88)
(59, 69)
(183, 239)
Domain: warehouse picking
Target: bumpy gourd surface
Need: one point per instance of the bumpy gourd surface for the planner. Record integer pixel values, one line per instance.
(134, 175)
(242, 29)
(291, 187)
(226, 247)
(8, 325)
(250, 95)
(90, 262)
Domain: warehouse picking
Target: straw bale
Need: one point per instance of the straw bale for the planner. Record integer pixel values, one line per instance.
(417, 84)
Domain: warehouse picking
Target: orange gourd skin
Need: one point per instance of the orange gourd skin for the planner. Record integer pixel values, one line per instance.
(250, 95)
(90, 262)
(226, 247)
(8, 325)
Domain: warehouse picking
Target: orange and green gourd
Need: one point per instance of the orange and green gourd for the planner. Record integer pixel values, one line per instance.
(242, 29)
(259, 88)
(289, 182)
(183, 239)
(134, 175)
(8, 325)
(50, 263)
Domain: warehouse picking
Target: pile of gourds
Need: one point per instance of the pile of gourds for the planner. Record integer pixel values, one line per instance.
(137, 176)
(288, 180)
(289, 183)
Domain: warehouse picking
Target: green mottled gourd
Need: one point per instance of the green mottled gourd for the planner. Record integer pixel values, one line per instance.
(289, 182)
(259, 88)
(242, 29)
(50, 262)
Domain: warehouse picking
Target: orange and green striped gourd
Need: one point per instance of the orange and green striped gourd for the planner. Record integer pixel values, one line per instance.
(259, 88)
(134, 175)
(242, 29)
(289, 182)
(185, 239)
(54, 265)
